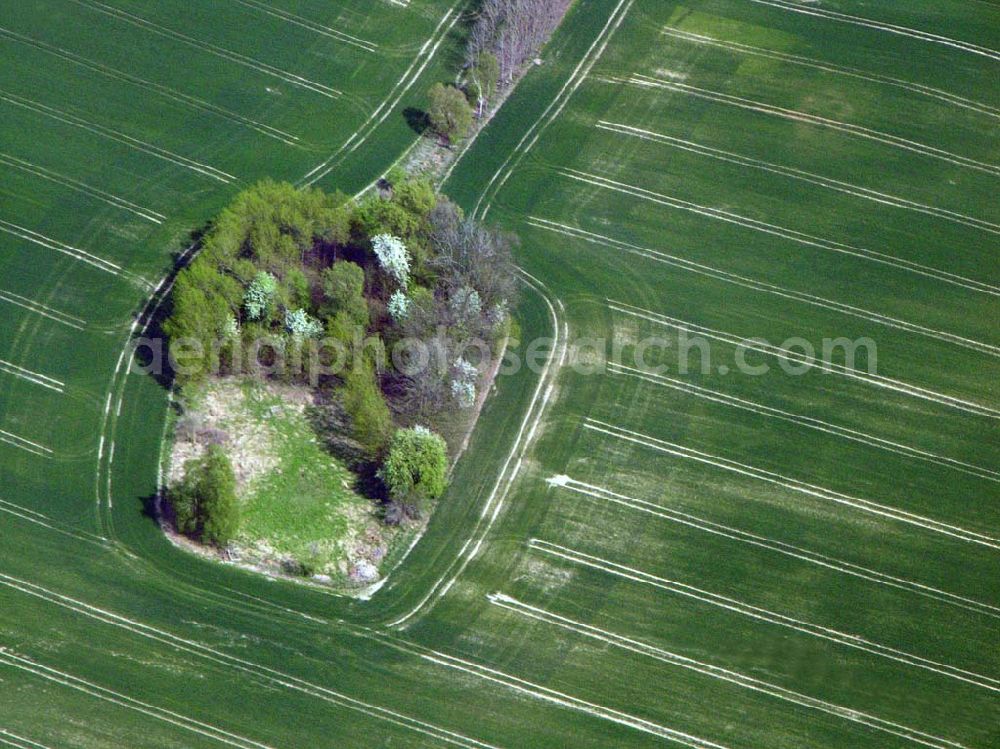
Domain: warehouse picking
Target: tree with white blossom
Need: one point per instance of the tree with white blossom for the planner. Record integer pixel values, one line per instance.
(393, 257)
(300, 324)
(463, 383)
(399, 306)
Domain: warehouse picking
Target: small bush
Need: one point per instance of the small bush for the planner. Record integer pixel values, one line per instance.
(204, 502)
(417, 466)
(450, 112)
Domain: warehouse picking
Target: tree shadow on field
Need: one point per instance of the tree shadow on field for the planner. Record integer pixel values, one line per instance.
(150, 355)
(417, 119)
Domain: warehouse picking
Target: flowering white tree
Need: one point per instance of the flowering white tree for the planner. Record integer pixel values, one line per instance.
(399, 306)
(463, 383)
(466, 304)
(302, 325)
(260, 295)
(393, 257)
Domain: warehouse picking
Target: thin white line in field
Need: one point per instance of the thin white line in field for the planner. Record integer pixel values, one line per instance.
(554, 108)
(404, 84)
(226, 54)
(764, 615)
(803, 176)
(44, 310)
(786, 482)
(763, 347)
(46, 522)
(883, 26)
(118, 137)
(771, 544)
(806, 421)
(716, 672)
(546, 694)
(24, 444)
(305, 23)
(888, 139)
(780, 231)
(505, 479)
(9, 738)
(15, 443)
(273, 676)
(918, 88)
(74, 252)
(85, 189)
(13, 660)
(749, 283)
(165, 91)
(34, 377)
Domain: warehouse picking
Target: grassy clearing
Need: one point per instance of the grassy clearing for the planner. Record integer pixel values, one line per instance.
(298, 509)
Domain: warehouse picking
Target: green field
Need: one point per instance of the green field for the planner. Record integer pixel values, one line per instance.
(624, 559)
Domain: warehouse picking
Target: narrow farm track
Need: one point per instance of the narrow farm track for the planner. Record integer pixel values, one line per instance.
(633, 552)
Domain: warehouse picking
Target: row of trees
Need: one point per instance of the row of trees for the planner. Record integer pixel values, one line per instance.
(505, 34)
(511, 32)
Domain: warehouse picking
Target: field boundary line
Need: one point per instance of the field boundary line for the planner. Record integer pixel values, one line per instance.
(271, 675)
(81, 187)
(798, 174)
(763, 286)
(829, 67)
(505, 479)
(25, 444)
(806, 421)
(802, 487)
(226, 54)
(33, 377)
(559, 103)
(545, 694)
(45, 521)
(735, 678)
(44, 310)
(792, 235)
(52, 244)
(13, 660)
(6, 737)
(165, 91)
(313, 26)
(891, 28)
(117, 136)
(922, 149)
(762, 347)
(771, 544)
(764, 615)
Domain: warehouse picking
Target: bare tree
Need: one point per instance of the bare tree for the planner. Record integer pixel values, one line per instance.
(513, 30)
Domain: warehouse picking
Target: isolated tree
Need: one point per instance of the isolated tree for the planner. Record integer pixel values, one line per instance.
(483, 76)
(205, 503)
(365, 404)
(449, 112)
(417, 466)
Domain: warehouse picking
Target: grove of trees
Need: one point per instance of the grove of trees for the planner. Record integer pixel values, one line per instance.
(294, 267)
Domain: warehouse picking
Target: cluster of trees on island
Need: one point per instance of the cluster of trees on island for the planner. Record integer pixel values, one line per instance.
(395, 305)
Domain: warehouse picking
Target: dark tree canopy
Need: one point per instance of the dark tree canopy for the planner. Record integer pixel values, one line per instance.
(205, 503)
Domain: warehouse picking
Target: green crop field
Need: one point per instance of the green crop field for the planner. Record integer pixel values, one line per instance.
(626, 557)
